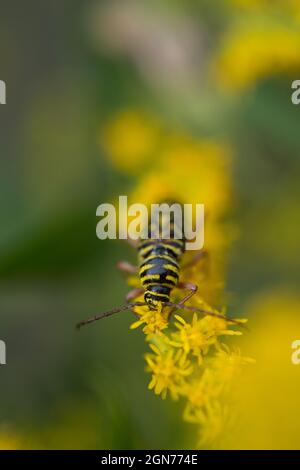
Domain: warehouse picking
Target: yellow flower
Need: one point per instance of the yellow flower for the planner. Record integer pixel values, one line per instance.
(188, 170)
(227, 364)
(129, 139)
(215, 381)
(254, 51)
(154, 321)
(216, 420)
(169, 370)
(199, 393)
(210, 396)
(191, 337)
(196, 337)
(267, 399)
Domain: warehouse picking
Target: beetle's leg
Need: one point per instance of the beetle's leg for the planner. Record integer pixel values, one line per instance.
(185, 285)
(134, 293)
(126, 267)
(195, 259)
(191, 287)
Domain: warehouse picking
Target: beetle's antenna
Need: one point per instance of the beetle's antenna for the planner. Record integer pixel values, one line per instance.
(101, 315)
(206, 312)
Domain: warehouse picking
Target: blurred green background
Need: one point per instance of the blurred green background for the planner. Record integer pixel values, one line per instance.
(68, 67)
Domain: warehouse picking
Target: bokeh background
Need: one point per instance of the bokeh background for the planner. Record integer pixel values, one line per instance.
(90, 85)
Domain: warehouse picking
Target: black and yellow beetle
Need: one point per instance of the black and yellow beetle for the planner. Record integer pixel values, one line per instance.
(159, 272)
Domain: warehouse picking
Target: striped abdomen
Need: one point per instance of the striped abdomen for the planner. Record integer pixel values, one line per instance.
(159, 269)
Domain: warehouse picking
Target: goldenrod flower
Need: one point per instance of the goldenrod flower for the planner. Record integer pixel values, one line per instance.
(209, 396)
(216, 420)
(227, 364)
(187, 359)
(256, 50)
(169, 370)
(199, 393)
(154, 321)
(267, 398)
(191, 337)
(130, 138)
(175, 173)
(196, 337)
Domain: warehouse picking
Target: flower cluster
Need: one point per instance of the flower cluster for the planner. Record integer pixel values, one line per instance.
(187, 359)
(261, 41)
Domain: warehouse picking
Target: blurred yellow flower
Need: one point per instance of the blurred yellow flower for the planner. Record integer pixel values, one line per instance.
(130, 139)
(209, 395)
(291, 7)
(217, 420)
(188, 170)
(9, 441)
(227, 363)
(267, 399)
(253, 51)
